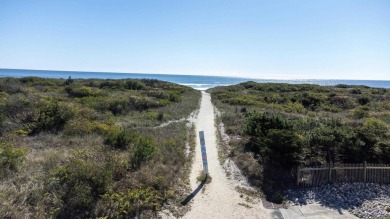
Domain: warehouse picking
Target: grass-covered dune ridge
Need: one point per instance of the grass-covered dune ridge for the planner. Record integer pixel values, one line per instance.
(92, 148)
(276, 127)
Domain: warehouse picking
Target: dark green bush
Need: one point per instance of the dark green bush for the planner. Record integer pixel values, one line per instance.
(174, 97)
(142, 151)
(284, 148)
(343, 102)
(364, 100)
(36, 81)
(2, 119)
(160, 117)
(134, 85)
(111, 84)
(310, 101)
(120, 139)
(355, 91)
(10, 86)
(260, 124)
(119, 106)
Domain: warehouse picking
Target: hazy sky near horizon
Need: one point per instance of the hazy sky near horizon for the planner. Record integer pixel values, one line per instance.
(332, 39)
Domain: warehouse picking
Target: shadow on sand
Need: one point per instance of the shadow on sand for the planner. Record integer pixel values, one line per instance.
(193, 194)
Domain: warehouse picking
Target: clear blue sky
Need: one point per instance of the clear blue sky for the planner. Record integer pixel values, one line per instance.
(330, 39)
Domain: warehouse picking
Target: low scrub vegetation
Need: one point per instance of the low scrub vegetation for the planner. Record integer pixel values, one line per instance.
(276, 127)
(92, 148)
(10, 159)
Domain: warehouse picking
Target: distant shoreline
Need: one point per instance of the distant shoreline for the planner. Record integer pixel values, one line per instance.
(199, 82)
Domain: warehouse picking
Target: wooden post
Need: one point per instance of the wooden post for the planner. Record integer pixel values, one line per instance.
(365, 171)
(330, 173)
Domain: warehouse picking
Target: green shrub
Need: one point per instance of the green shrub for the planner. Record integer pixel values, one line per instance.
(134, 85)
(10, 158)
(34, 81)
(110, 84)
(174, 97)
(133, 202)
(119, 106)
(2, 119)
(51, 117)
(360, 113)
(241, 101)
(83, 126)
(83, 91)
(355, 91)
(101, 104)
(120, 139)
(283, 148)
(83, 179)
(260, 124)
(364, 100)
(294, 107)
(144, 103)
(343, 102)
(9, 86)
(142, 151)
(310, 101)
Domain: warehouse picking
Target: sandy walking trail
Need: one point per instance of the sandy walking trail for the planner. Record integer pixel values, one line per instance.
(219, 198)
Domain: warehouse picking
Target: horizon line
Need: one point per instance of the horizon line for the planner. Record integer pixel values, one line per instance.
(203, 75)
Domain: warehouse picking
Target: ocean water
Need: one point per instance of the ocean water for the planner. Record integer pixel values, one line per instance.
(195, 81)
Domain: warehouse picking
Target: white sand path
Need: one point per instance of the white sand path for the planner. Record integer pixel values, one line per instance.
(220, 199)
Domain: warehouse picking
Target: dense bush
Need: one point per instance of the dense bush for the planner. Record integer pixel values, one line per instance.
(119, 106)
(10, 159)
(134, 85)
(120, 139)
(142, 151)
(111, 84)
(50, 117)
(272, 137)
(83, 180)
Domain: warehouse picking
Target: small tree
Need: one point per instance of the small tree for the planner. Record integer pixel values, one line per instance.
(142, 151)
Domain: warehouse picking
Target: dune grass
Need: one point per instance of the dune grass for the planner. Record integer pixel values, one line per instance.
(92, 148)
